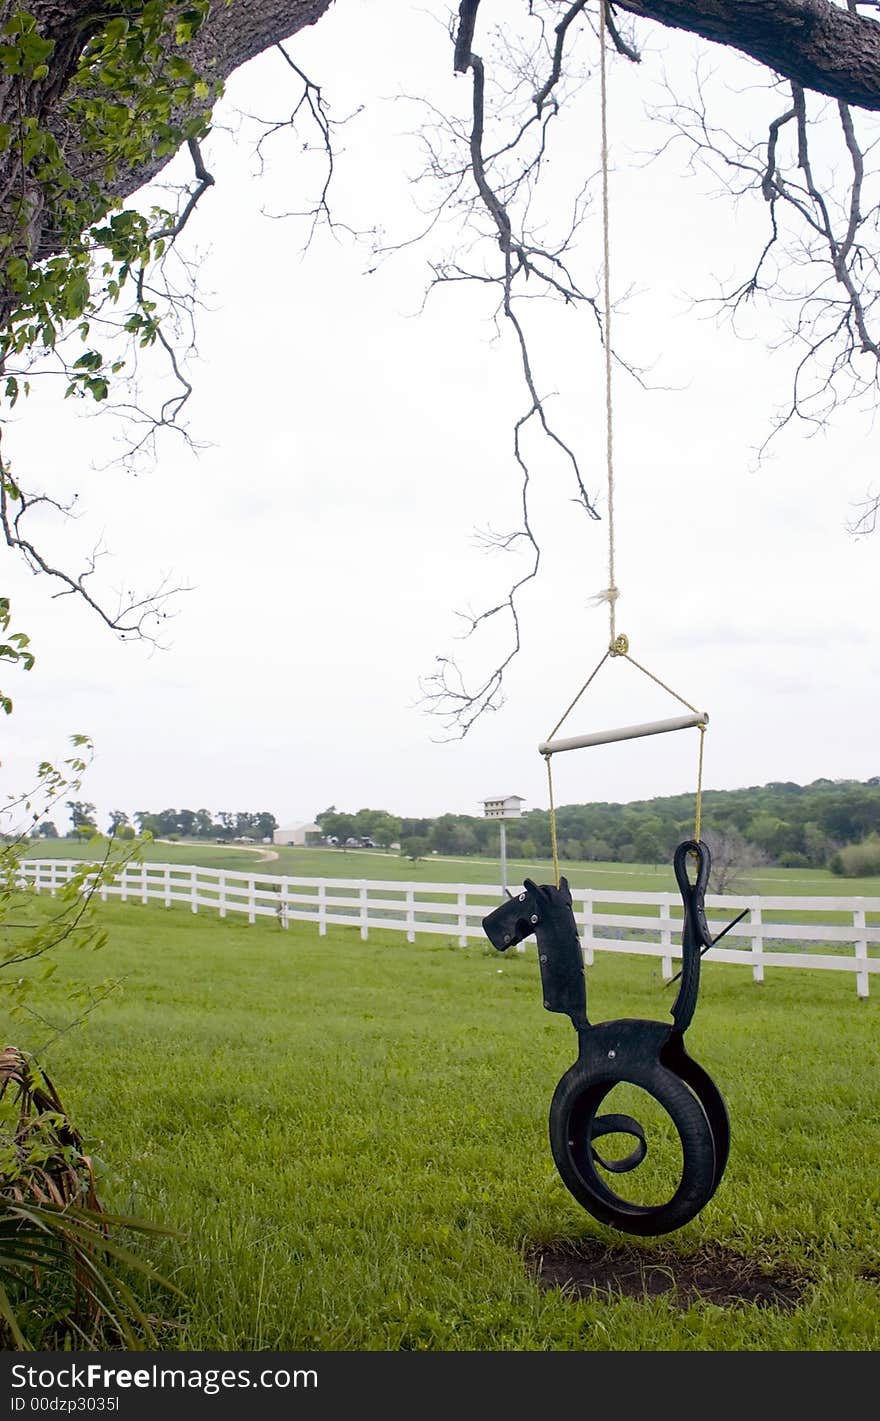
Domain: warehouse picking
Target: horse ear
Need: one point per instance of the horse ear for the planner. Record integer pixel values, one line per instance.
(539, 890)
(563, 883)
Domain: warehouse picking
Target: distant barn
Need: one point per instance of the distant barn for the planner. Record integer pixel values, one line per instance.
(299, 836)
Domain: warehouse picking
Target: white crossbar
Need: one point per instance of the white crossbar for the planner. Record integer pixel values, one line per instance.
(623, 732)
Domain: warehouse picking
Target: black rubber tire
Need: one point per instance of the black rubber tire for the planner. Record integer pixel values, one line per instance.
(575, 1102)
(709, 1096)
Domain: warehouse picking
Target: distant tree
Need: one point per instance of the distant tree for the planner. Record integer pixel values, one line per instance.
(46, 830)
(732, 859)
(648, 842)
(386, 829)
(186, 823)
(839, 821)
(464, 840)
(265, 824)
(82, 819)
(598, 851)
(168, 823)
(414, 848)
(441, 835)
(338, 826)
(364, 820)
(204, 826)
(858, 860)
(818, 847)
(118, 819)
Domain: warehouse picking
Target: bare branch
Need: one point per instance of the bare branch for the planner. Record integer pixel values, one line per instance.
(522, 259)
(133, 618)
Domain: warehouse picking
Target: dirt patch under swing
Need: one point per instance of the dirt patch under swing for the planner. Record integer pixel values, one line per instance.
(711, 1275)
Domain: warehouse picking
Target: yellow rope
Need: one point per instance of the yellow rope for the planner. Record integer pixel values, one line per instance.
(592, 676)
(698, 823)
(658, 682)
(553, 843)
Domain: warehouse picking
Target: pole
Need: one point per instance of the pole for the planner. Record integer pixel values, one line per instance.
(503, 858)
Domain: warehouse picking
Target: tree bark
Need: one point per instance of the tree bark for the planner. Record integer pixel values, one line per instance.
(814, 42)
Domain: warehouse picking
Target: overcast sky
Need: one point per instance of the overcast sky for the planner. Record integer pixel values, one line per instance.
(352, 446)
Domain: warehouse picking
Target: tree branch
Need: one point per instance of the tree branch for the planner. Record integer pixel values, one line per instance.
(814, 43)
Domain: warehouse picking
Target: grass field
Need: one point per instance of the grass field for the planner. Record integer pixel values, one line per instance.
(373, 863)
(352, 1139)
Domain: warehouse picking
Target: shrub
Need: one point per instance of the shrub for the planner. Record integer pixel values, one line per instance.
(858, 860)
(414, 848)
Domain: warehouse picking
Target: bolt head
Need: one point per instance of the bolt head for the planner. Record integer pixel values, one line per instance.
(533, 918)
(611, 1055)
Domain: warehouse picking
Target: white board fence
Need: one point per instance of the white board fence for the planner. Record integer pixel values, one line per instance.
(823, 934)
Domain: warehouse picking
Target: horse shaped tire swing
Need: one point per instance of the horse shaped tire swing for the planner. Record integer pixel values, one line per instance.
(648, 1054)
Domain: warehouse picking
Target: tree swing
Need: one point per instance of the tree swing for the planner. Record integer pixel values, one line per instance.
(647, 1054)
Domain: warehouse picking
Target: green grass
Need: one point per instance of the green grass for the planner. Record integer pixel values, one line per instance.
(352, 1137)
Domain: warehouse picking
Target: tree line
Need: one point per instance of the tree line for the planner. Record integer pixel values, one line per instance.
(826, 824)
(224, 827)
(781, 823)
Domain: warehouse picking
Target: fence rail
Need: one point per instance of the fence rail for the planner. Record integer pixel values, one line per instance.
(787, 938)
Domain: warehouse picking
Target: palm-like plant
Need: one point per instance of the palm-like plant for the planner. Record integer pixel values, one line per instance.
(64, 1261)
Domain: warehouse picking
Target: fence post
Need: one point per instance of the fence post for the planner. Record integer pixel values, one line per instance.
(194, 891)
(756, 921)
(284, 905)
(53, 878)
(666, 936)
(322, 908)
(586, 947)
(462, 917)
(123, 884)
(144, 894)
(861, 951)
(167, 885)
(252, 899)
(365, 912)
(410, 914)
(222, 887)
